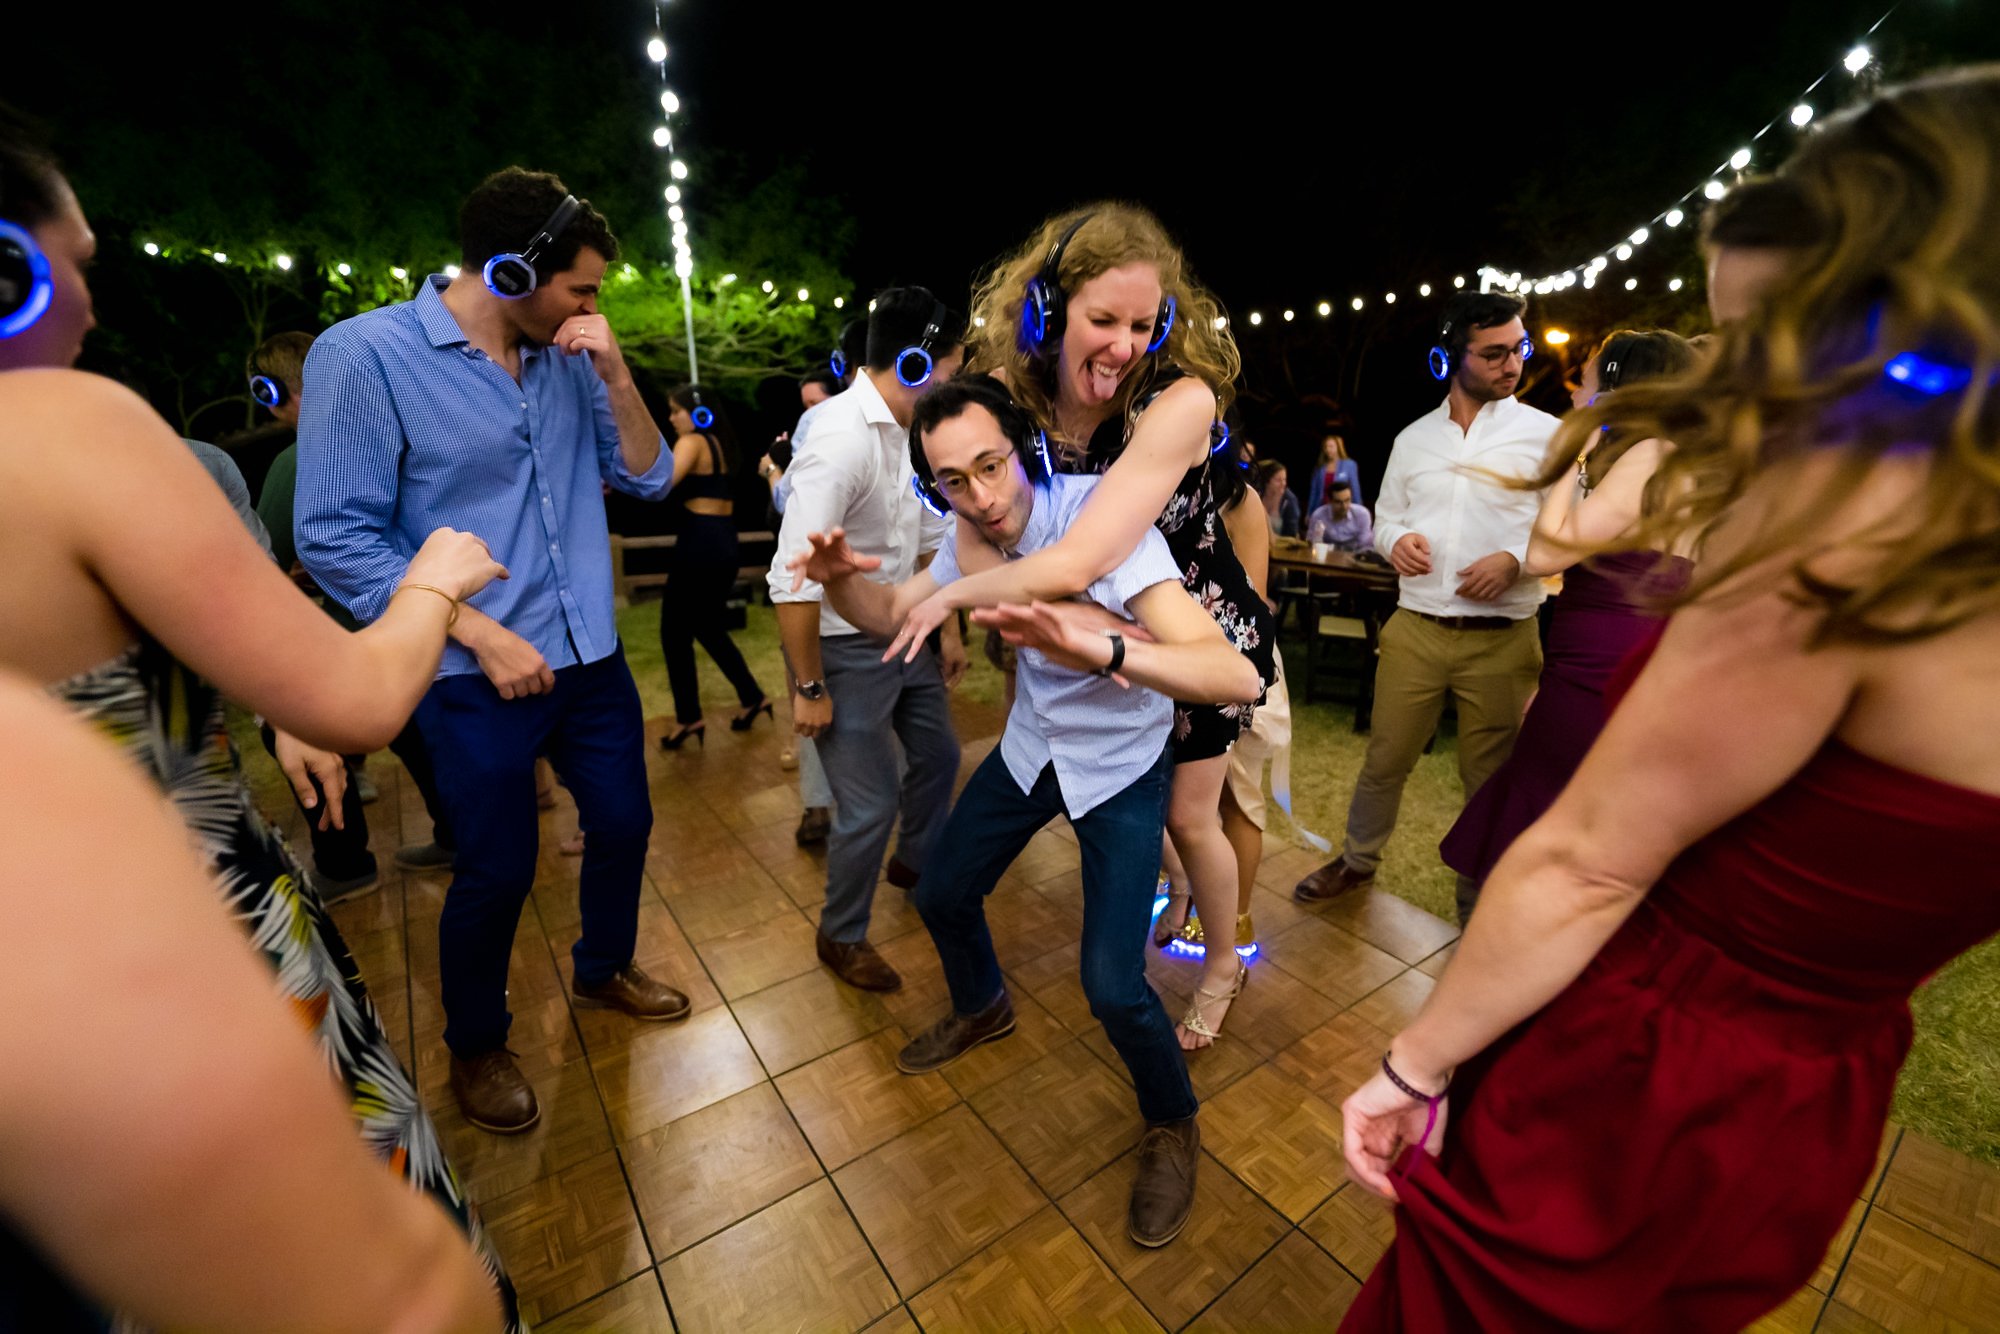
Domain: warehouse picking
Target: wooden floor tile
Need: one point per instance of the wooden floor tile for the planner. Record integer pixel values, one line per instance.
(1279, 1138)
(716, 910)
(1025, 925)
(1036, 1033)
(1391, 1006)
(923, 998)
(1336, 1058)
(806, 1017)
(1055, 982)
(1354, 1227)
(1837, 1318)
(1394, 925)
(798, 1265)
(1282, 869)
(1905, 1278)
(711, 1168)
(854, 1099)
(667, 1071)
(1211, 1069)
(1064, 1117)
(897, 1321)
(1434, 966)
(572, 1128)
(569, 1236)
(1798, 1315)
(1228, 1230)
(747, 961)
(893, 915)
(1276, 911)
(1040, 1276)
(1339, 966)
(1294, 1287)
(932, 1197)
(1046, 855)
(635, 1306)
(1828, 1272)
(1946, 1194)
(1275, 1010)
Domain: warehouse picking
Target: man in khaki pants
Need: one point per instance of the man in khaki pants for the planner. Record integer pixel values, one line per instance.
(1465, 619)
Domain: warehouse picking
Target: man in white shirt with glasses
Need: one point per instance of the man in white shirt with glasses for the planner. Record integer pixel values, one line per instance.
(1465, 619)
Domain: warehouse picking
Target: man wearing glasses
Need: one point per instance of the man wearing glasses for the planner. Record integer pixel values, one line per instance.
(1465, 619)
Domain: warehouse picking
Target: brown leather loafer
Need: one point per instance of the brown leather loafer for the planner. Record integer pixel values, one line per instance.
(1330, 882)
(900, 875)
(858, 964)
(1163, 1190)
(492, 1092)
(954, 1035)
(813, 826)
(630, 990)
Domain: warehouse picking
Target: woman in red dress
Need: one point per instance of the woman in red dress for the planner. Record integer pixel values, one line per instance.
(1677, 1018)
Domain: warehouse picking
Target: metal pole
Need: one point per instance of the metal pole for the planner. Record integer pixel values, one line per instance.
(687, 311)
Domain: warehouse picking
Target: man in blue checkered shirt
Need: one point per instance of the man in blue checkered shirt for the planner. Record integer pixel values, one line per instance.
(496, 402)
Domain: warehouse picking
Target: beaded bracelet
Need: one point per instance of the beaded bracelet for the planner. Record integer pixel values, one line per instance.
(1431, 1100)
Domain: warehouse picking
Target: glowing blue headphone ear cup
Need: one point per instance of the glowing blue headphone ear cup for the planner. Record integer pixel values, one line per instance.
(929, 498)
(838, 365)
(266, 390)
(34, 287)
(1167, 308)
(509, 277)
(914, 367)
(703, 417)
(1440, 363)
(1527, 348)
(1218, 432)
(1042, 455)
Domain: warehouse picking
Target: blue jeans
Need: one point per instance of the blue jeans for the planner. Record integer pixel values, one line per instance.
(591, 729)
(1120, 841)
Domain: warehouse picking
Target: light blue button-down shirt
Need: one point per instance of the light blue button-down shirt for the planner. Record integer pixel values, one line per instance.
(1102, 737)
(404, 428)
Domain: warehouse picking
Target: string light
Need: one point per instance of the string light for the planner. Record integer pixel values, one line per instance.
(151, 249)
(451, 270)
(769, 286)
(1802, 115)
(1458, 281)
(1555, 337)
(1674, 285)
(1857, 59)
(840, 301)
(1255, 318)
(1356, 303)
(663, 137)
(1390, 298)
(1325, 309)
(805, 294)
(1714, 190)
(1675, 217)
(1290, 316)
(1631, 283)
(1222, 321)
(1424, 290)
(344, 270)
(284, 262)
(221, 258)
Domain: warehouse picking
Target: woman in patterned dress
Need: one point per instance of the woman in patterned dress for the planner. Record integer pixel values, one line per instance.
(132, 586)
(1125, 363)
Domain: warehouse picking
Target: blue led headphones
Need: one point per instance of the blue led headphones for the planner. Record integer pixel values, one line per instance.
(915, 363)
(1218, 433)
(1443, 358)
(702, 415)
(268, 391)
(1045, 307)
(1029, 441)
(837, 363)
(512, 276)
(25, 286)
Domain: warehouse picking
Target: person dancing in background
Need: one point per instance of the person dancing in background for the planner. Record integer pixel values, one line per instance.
(1105, 338)
(1608, 605)
(701, 569)
(1677, 1018)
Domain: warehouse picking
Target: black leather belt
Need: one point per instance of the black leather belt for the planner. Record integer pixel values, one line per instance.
(1468, 622)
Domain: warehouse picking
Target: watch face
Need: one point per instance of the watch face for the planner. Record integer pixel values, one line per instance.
(812, 689)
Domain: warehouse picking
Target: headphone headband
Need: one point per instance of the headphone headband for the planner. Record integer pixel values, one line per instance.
(512, 276)
(915, 363)
(1044, 305)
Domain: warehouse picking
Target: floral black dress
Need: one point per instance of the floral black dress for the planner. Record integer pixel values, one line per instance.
(1192, 524)
(171, 724)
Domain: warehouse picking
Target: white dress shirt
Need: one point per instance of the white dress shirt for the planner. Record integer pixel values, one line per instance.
(854, 473)
(1437, 486)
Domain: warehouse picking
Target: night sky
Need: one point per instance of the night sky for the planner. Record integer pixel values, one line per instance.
(1300, 152)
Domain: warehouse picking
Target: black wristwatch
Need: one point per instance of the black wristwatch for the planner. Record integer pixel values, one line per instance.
(1117, 653)
(814, 690)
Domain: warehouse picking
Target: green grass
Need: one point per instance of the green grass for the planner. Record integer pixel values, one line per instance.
(1950, 1088)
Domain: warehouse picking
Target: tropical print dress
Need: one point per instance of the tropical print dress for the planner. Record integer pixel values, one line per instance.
(171, 723)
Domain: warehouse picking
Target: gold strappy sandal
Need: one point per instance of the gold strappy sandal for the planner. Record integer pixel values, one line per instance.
(1194, 1022)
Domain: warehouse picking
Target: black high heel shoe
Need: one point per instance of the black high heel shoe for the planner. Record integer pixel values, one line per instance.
(675, 739)
(743, 722)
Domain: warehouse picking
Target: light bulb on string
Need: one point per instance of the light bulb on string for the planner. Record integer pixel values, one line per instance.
(675, 213)
(1290, 315)
(1675, 217)
(451, 270)
(770, 287)
(1739, 159)
(1356, 303)
(151, 248)
(683, 266)
(1256, 318)
(220, 258)
(1639, 237)
(1715, 189)
(1674, 285)
(673, 194)
(400, 274)
(677, 169)
(1802, 115)
(1857, 59)
(670, 101)
(344, 270)
(284, 262)
(1325, 309)
(1631, 284)
(840, 301)
(656, 50)
(805, 294)
(1424, 289)
(1389, 297)
(1623, 252)
(1222, 321)
(1458, 281)
(663, 137)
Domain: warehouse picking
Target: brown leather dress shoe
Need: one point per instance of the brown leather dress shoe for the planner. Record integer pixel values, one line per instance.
(813, 826)
(1163, 1190)
(630, 990)
(858, 964)
(1330, 882)
(900, 875)
(954, 1035)
(492, 1092)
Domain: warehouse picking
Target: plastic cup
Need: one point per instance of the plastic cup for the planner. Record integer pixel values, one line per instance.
(1321, 550)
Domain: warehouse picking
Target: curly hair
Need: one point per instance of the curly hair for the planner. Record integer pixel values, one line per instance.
(1902, 261)
(1111, 235)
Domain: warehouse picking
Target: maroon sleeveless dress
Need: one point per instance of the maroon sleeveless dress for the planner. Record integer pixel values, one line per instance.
(1673, 1142)
(1602, 614)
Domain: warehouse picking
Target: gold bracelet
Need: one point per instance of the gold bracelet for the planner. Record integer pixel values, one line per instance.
(450, 620)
